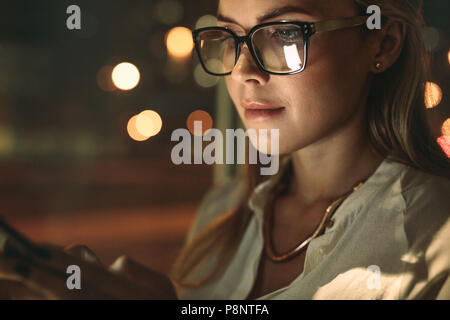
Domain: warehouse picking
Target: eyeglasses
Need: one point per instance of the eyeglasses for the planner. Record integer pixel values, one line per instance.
(279, 48)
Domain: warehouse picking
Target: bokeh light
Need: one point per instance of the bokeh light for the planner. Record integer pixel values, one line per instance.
(433, 95)
(199, 115)
(444, 143)
(204, 79)
(446, 128)
(133, 132)
(6, 140)
(169, 11)
(179, 42)
(206, 21)
(432, 38)
(448, 57)
(125, 76)
(444, 140)
(148, 123)
(144, 125)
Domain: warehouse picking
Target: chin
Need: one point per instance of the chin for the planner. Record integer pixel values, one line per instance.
(273, 145)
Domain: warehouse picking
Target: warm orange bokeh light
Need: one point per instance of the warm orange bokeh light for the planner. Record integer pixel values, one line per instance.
(433, 95)
(199, 115)
(179, 42)
(125, 76)
(148, 123)
(133, 132)
(449, 56)
(446, 128)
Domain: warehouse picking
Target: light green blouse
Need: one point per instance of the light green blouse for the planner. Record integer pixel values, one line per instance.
(390, 240)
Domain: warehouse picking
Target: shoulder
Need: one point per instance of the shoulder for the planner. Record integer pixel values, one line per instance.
(426, 196)
(413, 208)
(218, 200)
(425, 193)
(427, 219)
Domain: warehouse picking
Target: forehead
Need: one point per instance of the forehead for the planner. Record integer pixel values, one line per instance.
(248, 12)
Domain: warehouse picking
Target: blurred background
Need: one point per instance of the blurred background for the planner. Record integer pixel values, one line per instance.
(86, 118)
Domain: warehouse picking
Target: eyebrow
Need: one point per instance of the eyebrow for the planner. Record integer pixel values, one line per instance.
(268, 15)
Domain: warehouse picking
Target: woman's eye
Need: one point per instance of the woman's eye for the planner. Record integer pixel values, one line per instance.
(287, 34)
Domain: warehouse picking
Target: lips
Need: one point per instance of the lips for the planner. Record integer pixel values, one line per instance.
(260, 111)
(259, 105)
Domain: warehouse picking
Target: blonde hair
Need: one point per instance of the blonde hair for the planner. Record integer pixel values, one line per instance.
(396, 125)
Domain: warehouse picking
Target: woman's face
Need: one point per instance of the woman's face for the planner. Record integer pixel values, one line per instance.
(317, 102)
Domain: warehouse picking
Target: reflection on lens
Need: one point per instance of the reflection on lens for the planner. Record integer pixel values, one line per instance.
(280, 48)
(217, 51)
(292, 58)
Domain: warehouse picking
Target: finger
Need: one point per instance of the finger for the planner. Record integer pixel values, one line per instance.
(83, 252)
(139, 274)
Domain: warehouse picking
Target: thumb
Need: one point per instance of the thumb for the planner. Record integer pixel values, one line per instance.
(141, 275)
(83, 252)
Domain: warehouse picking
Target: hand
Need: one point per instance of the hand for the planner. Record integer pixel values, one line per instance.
(46, 279)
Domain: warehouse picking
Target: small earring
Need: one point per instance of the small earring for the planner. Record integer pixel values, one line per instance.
(378, 65)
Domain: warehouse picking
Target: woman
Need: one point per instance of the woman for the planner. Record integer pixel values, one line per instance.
(349, 109)
(352, 113)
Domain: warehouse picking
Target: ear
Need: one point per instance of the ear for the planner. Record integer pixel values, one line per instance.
(388, 46)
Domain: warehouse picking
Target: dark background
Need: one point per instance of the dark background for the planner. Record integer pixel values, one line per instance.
(69, 172)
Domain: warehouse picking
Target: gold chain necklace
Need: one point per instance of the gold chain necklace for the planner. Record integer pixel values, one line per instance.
(268, 220)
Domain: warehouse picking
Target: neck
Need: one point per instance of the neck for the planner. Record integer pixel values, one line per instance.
(333, 166)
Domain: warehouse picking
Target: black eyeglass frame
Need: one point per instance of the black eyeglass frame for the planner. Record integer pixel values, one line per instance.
(308, 29)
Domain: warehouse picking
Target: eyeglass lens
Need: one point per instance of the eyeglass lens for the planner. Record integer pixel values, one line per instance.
(278, 49)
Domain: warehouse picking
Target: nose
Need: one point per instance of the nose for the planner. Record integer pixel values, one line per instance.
(246, 70)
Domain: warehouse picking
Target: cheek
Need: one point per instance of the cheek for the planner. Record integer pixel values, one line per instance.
(334, 78)
(324, 96)
(338, 63)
